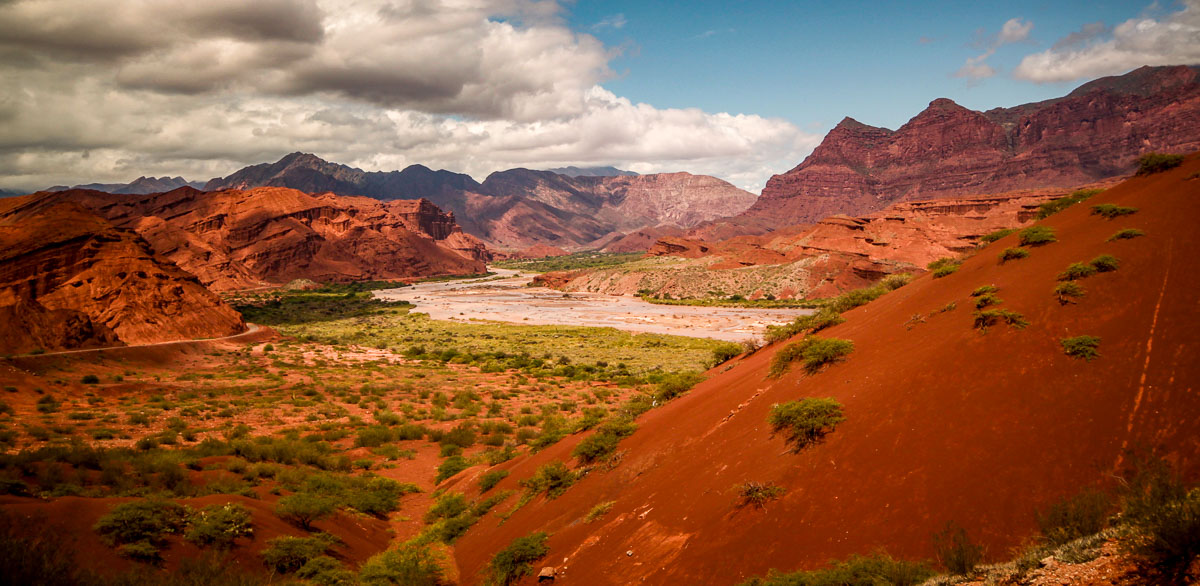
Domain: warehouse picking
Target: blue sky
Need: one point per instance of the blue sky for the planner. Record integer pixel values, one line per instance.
(815, 62)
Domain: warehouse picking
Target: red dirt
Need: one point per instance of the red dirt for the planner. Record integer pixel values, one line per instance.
(943, 422)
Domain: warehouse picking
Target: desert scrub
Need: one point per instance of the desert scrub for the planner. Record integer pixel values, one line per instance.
(990, 317)
(1126, 234)
(1105, 263)
(1013, 253)
(724, 353)
(1111, 211)
(303, 508)
(943, 266)
(451, 466)
(140, 528)
(1057, 205)
(1076, 271)
(287, 554)
(1151, 163)
(604, 441)
(1067, 292)
(514, 562)
(756, 494)
(984, 290)
(219, 525)
(807, 421)
(1036, 236)
(987, 299)
(823, 318)
(956, 551)
(1081, 347)
(490, 479)
(813, 351)
(829, 314)
(553, 479)
(598, 511)
(1163, 514)
(410, 563)
(1081, 515)
(876, 569)
(994, 236)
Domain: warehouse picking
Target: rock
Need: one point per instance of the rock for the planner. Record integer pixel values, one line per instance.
(1094, 132)
(546, 575)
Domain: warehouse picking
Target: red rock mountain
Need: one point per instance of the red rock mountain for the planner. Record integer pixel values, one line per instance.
(943, 422)
(235, 239)
(1093, 133)
(70, 279)
(519, 208)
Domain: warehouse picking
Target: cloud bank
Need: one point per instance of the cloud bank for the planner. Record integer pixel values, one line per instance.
(106, 90)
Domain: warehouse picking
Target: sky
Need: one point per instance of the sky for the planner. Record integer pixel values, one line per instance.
(109, 90)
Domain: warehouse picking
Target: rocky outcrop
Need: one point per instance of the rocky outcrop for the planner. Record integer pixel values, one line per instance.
(71, 279)
(235, 239)
(519, 208)
(1095, 132)
(142, 185)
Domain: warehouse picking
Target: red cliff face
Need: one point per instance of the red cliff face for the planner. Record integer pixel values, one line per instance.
(70, 279)
(235, 239)
(1094, 133)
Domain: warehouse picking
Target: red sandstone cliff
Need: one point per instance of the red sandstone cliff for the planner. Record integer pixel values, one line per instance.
(1095, 132)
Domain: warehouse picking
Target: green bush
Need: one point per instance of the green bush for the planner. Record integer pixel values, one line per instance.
(90, 379)
(514, 562)
(1111, 211)
(1151, 163)
(490, 479)
(1081, 347)
(451, 466)
(287, 554)
(451, 504)
(984, 290)
(1079, 516)
(409, 564)
(219, 525)
(1054, 206)
(303, 508)
(990, 317)
(553, 479)
(146, 522)
(875, 570)
(604, 441)
(675, 384)
(1105, 263)
(756, 494)
(944, 270)
(807, 421)
(813, 351)
(813, 323)
(1036, 236)
(1014, 253)
(1126, 234)
(325, 571)
(1076, 271)
(987, 299)
(994, 236)
(1068, 291)
(956, 551)
(725, 352)
(1165, 520)
(373, 437)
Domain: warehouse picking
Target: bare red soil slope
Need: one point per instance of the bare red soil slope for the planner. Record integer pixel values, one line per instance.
(70, 279)
(943, 421)
(235, 239)
(1093, 133)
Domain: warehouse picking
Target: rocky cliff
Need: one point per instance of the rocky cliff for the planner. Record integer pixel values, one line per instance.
(71, 279)
(235, 239)
(1095, 132)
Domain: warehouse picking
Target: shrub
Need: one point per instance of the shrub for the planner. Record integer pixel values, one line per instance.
(942, 271)
(490, 479)
(287, 554)
(325, 571)
(984, 290)
(553, 479)
(725, 352)
(303, 508)
(676, 384)
(806, 421)
(1079, 516)
(514, 562)
(955, 550)
(1081, 347)
(451, 504)
(373, 437)
(90, 379)
(1126, 234)
(219, 525)
(990, 317)
(1151, 163)
(1105, 263)
(987, 299)
(604, 442)
(814, 351)
(416, 564)
(941, 262)
(875, 570)
(451, 466)
(823, 318)
(1013, 254)
(994, 236)
(1054, 206)
(1036, 236)
(1066, 292)
(757, 494)
(1165, 518)
(1076, 271)
(1111, 211)
(147, 522)
(598, 511)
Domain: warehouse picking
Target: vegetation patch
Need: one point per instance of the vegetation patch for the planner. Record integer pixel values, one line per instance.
(1164, 515)
(570, 262)
(807, 421)
(813, 351)
(757, 494)
(990, 317)
(955, 550)
(1068, 292)
(514, 562)
(411, 563)
(1126, 234)
(219, 526)
(288, 554)
(994, 236)
(598, 511)
(877, 569)
(1151, 163)
(943, 266)
(1078, 516)
(1076, 271)
(1013, 253)
(1111, 211)
(1105, 263)
(491, 478)
(1081, 347)
(140, 528)
(604, 441)
(1054, 206)
(552, 479)
(987, 299)
(1037, 236)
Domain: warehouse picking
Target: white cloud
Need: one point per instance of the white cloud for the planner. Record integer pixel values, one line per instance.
(615, 21)
(1093, 52)
(1014, 31)
(106, 90)
(976, 68)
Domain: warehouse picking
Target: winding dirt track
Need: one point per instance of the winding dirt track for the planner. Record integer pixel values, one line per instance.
(250, 330)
